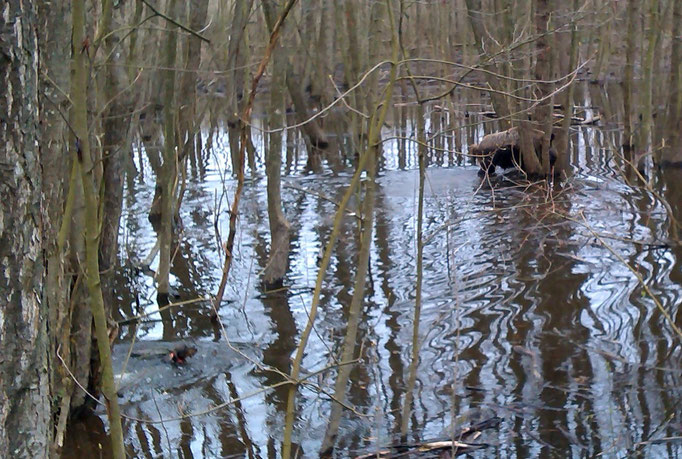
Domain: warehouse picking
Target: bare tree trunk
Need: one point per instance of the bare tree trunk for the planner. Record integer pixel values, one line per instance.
(672, 154)
(676, 61)
(646, 101)
(529, 158)
(132, 40)
(543, 74)
(628, 83)
(115, 124)
(188, 121)
(90, 179)
(278, 261)
(312, 130)
(169, 169)
(237, 53)
(25, 402)
(345, 12)
(78, 312)
(476, 17)
(54, 31)
(605, 20)
(564, 140)
(320, 80)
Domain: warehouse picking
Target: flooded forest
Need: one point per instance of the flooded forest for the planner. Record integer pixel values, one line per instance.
(341, 228)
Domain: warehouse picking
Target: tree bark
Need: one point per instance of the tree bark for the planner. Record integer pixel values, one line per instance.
(169, 169)
(278, 260)
(236, 61)
(25, 403)
(564, 144)
(115, 125)
(543, 74)
(629, 72)
(54, 30)
(189, 123)
(672, 154)
(88, 165)
(676, 62)
(646, 101)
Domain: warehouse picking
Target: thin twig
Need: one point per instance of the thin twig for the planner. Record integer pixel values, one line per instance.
(175, 23)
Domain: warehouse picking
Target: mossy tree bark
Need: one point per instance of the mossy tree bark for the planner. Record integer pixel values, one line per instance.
(90, 180)
(78, 353)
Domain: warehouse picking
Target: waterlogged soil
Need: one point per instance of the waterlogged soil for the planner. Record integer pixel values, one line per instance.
(548, 308)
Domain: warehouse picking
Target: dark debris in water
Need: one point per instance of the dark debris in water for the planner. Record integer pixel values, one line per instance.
(461, 443)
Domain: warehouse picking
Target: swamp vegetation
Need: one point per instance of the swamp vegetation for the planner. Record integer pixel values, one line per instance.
(276, 228)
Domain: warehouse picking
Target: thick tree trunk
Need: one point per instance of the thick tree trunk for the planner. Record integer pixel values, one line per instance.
(53, 31)
(529, 157)
(25, 402)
